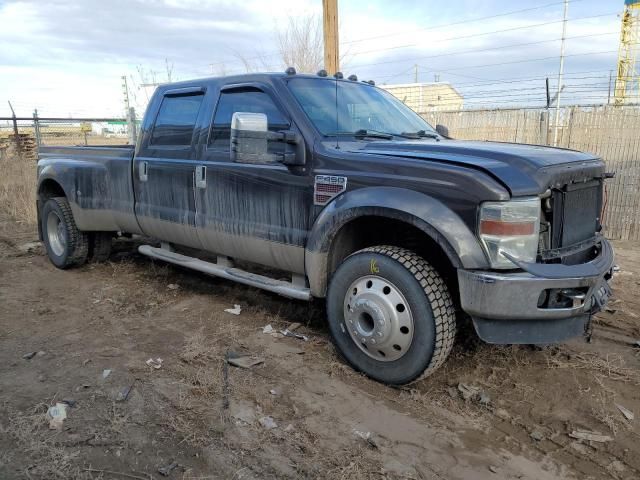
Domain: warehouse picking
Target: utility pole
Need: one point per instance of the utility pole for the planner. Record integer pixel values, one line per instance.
(561, 72)
(415, 73)
(125, 95)
(330, 30)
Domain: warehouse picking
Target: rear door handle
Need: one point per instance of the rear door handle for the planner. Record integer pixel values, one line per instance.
(201, 176)
(143, 171)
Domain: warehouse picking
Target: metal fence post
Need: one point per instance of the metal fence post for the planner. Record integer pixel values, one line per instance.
(131, 125)
(36, 128)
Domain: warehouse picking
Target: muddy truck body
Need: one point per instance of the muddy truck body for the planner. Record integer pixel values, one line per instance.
(346, 195)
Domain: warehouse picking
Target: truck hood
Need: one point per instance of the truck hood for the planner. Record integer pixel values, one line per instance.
(522, 169)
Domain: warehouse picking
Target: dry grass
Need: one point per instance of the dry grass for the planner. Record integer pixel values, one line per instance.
(18, 188)
(48, 459)
(610, 366)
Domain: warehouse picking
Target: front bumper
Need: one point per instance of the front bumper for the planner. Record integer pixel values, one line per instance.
(505, 306)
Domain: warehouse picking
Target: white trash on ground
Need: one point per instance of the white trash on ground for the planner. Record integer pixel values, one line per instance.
(235, 310)
(57, 415)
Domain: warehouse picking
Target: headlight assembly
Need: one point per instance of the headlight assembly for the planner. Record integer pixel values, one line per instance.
(512, 227)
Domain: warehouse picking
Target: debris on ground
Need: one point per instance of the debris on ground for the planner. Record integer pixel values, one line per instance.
(275, 391)
(29, 356)
(288, 333)
(69, 402)
(590, 436)
(235, 310)
(537, 435)
(294, 326)
(289, 428)
(244, 361)
(41, 353)
(484, 398)
(165, 471)
(293, 351)
(267, 329)
(502, 414)
(493, 469)
(637, 344)
(29, 247)
(268, 423)
(367, 437)
(173, 286)
(123, 394)
(105, 373)
(628, 414)
(468, 392)
(155, 363)
(57, 415)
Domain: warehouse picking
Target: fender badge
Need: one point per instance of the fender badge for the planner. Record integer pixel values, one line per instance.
(327, 187)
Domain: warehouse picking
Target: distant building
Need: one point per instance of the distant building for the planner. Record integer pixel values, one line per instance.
(427, 97)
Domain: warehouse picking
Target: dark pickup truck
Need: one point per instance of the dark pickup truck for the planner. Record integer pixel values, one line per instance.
(344, 193)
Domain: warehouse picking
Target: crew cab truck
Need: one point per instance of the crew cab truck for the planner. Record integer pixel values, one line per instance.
(349, 196)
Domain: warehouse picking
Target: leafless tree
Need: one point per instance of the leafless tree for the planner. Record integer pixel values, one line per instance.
(300, 43)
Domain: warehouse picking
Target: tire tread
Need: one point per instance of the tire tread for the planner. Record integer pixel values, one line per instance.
(78, 240)
(439, 298)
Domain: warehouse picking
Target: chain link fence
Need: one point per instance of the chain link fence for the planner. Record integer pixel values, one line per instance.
(23, 135)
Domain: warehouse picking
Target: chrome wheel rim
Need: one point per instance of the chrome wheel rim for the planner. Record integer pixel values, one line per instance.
(56, 234)
(378, 318)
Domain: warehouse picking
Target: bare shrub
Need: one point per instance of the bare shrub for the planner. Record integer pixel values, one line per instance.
(18, 188)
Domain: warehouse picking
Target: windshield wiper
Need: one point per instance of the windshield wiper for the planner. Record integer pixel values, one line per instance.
(420, 134)
(364, 133)
(373, 134)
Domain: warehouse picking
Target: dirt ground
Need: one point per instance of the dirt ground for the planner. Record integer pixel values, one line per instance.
(209, 421)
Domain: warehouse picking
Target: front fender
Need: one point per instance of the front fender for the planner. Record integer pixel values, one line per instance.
(422, 211)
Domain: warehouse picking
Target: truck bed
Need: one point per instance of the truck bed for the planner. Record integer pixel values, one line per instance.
(118, 151)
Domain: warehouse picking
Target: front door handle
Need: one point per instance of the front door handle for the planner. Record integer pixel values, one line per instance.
(143, 171)
(201, 176)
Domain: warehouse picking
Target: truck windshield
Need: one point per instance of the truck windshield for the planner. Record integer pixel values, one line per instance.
(361, 109)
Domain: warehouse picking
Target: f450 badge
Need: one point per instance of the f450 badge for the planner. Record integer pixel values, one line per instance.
(327, 187)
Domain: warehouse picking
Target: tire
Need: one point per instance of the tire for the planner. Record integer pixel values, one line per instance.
(99, 246)
(66, 245)
(390, 315)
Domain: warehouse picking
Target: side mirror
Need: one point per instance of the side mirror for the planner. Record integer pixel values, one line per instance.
(250, 138)
(443, 131)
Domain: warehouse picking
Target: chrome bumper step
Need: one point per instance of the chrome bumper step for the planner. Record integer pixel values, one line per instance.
(291, 289)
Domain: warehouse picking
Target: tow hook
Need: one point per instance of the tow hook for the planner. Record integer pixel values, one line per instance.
(577, 297)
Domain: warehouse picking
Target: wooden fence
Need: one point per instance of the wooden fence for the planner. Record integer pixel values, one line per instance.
(612, 133)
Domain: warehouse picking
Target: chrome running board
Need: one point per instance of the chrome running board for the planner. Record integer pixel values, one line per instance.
(225, 270)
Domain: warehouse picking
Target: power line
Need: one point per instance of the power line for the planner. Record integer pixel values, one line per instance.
(500, 47)
(503, 63)
(274, 53)
(473, 20)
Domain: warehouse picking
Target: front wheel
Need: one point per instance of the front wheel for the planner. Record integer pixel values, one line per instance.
(390, 314)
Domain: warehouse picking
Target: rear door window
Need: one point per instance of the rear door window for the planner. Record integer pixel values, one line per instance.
(176, 120)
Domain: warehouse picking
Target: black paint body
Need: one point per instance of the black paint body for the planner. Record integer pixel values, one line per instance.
(265, 213)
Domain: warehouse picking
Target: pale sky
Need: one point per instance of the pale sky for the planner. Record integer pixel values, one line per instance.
(67, 57)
